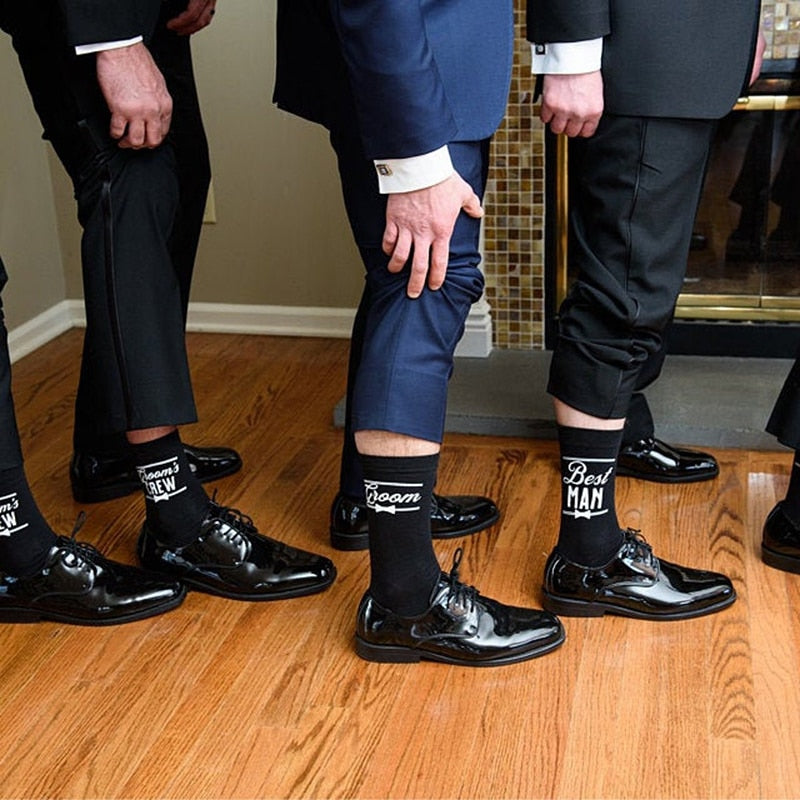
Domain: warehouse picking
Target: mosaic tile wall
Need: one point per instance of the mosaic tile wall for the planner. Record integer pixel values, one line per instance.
(781, 26)
(514, 224)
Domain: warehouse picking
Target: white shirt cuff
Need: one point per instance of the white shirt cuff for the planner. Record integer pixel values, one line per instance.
(417, 172)
(83, 49)
(567, 58)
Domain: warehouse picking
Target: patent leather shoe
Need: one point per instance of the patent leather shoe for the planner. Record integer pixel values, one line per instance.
(653, 460)
(95, 478)
(460, 626)
(79, 586)
(633, 584)
(780, 543)
(232, 559)
(456, 515)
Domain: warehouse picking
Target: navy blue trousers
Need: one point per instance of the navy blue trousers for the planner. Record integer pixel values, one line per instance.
(401, 352)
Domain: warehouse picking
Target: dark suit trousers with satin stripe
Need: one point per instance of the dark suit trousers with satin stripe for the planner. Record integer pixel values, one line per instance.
(10, 451)
(632, 217)
(141, 213)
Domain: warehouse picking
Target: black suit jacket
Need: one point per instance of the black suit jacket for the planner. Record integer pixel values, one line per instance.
(682, 58)
(87, 21)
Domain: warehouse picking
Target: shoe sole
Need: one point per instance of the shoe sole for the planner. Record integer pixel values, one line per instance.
(360, 541)
(630, 473)
(583, 608)
(28, 615)
(199, 586)
(779, 561)
(386, 654)
(130, 487)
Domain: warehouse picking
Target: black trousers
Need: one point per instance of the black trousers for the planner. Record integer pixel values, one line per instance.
(632, 219)
(141, 213)
(10, 451)
(784, 422)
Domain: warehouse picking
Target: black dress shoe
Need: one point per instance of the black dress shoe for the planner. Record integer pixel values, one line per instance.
(453, 516)
(80, 586)
(780, 544)
(653, 460)
(461, 626)
(98, 478)
(232, 559)
(633, 584)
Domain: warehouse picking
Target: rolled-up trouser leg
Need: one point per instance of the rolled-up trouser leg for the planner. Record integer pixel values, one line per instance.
(406, 352)
(632, 217)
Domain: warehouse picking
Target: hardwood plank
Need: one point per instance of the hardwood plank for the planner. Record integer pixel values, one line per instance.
(220, 699)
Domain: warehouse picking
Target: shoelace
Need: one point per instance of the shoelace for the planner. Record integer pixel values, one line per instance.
(637, 547)
(460, 596)
(238, 523)
(80, 552)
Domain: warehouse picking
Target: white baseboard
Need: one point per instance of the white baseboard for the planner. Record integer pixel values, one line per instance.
(477, 339)
(233, 318)
(270, 320)
(46, 326)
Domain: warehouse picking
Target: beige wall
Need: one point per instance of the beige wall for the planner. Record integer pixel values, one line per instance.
(281, 237)
(28, 235)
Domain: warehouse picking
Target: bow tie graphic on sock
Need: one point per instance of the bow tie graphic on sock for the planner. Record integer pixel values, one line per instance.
(585, 482)
(393, 498)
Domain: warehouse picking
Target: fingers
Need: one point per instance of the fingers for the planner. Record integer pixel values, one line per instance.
(438, 266)
(140, 132)
(136, 94)
(400, 252)
(569, 125)
(198, 15)
(572, 104)
(419, 272)
(473, 207)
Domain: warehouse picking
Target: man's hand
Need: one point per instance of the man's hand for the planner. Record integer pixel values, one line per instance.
(572, 104)
(197, 15)
(424, 219)
(136, 94)
(761, 44)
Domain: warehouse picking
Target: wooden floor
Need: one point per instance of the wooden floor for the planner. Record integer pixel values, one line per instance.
(222, 699)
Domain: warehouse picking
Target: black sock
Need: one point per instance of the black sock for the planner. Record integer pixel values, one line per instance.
(404, 568)
(589, 534)
(175, 500)
(25, 536)
(791, 503)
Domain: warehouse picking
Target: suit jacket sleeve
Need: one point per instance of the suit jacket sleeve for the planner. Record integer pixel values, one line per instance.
(397, 88)
(91, 21)
(567, 20)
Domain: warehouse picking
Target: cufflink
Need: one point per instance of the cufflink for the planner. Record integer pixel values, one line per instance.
(540, 49)
(383, 169)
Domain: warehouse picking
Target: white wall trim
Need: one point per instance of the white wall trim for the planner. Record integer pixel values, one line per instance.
(248, 319)
(477, 339)
(42, 328)
(270, 320)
